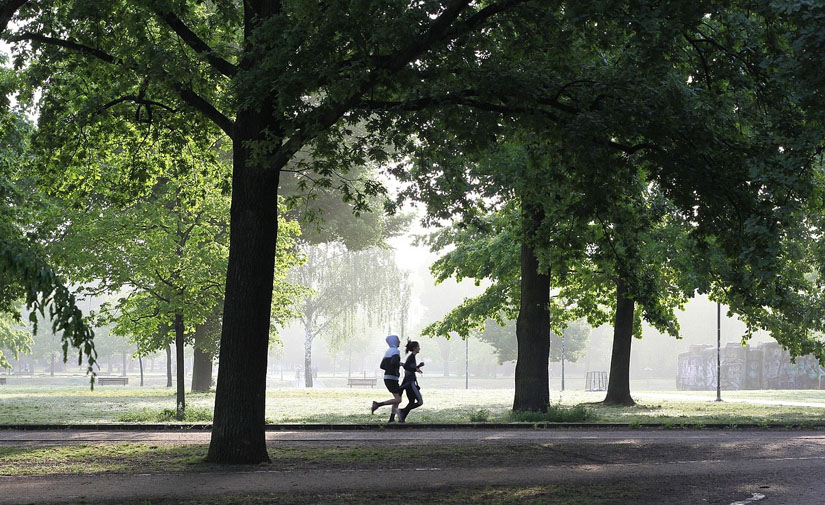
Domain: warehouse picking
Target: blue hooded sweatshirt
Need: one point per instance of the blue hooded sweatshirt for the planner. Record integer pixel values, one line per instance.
(392, 358)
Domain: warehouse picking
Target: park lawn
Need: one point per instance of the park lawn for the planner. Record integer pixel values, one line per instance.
(142, 457)
(79, 405)
(130, 458)
(100, 458)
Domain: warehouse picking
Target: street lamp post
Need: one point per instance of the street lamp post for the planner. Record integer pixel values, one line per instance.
(718, 352)
(562, 361)
(466, 363)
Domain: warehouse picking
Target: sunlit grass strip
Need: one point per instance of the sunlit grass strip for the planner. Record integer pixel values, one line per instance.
(161, 458)
(77, 405)
(100, 458)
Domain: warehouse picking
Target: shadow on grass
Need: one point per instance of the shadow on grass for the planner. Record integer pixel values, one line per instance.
(101, 458)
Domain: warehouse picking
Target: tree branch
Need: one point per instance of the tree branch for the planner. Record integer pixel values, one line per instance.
(203, 106)
(694, 43)
(328, 113)
(437, 30)
(7, 11)
(186, 94)
(483, 15)
(66, 44)
(461, 98)
(166, 281)
(145, 316)
(196, 43)
(137, 100)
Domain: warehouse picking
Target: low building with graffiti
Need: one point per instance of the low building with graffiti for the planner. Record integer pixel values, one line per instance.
(766, 366)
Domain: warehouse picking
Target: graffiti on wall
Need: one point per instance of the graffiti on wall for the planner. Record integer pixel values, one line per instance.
(767, 366)
(733, 367)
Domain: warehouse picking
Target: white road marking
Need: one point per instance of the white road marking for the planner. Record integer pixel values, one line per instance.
(754, 498)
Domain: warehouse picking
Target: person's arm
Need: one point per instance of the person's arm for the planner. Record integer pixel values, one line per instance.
(410, 365)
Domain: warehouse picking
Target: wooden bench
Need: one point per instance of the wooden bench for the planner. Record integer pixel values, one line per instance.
(358, 381)
(122, 381)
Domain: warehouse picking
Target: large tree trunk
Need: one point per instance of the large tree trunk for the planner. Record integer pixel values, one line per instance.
(532, 326)
(201, 371)
(618, 386)
(168, 366)
(238, 427)
(202, 365)
(181, 380)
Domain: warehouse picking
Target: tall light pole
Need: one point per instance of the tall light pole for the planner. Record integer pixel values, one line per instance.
(562, 361)
(467, 363)
(718, 352)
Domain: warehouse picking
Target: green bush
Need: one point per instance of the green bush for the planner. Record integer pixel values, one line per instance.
(191, 415)
(480, 416)
(554, 414)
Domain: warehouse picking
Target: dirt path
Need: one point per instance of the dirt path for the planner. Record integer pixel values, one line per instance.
(660, 466)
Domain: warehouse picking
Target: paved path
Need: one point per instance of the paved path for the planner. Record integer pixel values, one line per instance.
(659, 466)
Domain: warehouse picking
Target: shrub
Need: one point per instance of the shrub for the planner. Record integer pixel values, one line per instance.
(480, 416)
(191, 415)
(555, 414)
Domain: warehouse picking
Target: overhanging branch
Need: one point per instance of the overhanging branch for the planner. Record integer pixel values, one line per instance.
(186, 94)
(7, 11)
(196, 43)
(138, 100)
(66, 44)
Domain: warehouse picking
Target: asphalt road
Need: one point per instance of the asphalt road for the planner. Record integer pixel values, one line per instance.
(660, 466)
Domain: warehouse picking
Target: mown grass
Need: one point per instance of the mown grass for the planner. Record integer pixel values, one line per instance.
(118, 457)
(403, 452)
(78, 405)
(100, 458)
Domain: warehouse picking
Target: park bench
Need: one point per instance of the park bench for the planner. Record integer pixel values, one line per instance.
(2, 381)
(359, 381)
(122, 381)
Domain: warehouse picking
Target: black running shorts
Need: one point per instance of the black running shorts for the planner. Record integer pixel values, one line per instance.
(392, 386)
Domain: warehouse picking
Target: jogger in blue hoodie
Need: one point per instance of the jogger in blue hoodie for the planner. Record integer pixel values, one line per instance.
(391, 365)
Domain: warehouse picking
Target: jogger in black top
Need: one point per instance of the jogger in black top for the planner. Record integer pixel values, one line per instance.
(410, 382)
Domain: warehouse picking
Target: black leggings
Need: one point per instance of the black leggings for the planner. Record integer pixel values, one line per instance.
(414, 398)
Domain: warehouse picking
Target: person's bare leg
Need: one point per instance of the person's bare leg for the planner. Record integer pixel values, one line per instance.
(394, 401)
